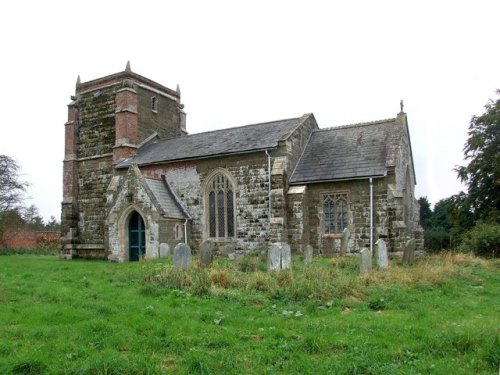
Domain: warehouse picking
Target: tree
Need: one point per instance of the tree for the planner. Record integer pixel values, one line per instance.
(425, 212)
(482, 174)
(53, 224)
(32, 218)
(11, 188)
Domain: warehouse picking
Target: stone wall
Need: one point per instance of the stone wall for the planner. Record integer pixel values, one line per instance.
(251, 197)
(358, 216)
(165, 121)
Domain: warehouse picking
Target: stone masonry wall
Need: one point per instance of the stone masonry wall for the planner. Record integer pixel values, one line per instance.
(165, 121)
(251, 198)
(96, 138)
(358, 218)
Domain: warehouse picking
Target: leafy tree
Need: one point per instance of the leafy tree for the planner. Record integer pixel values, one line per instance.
(482, 174)
(425, 212)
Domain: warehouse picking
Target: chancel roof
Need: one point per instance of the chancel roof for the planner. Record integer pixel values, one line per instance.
(349, 152)
(222, 142)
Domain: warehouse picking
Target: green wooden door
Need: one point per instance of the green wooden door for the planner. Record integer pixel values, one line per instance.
(136, 237)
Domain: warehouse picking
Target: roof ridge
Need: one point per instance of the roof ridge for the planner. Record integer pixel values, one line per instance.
(359, 124)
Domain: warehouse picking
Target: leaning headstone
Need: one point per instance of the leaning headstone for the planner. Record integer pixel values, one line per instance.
(206, 253)
(308, 255)
(409, 252)
(164, 250)
(286, 256)
(279, 257)
(382, 257)
(182, 256)
(366, 261)
(344, 241)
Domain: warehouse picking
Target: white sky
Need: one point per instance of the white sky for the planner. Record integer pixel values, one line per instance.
(243, 62)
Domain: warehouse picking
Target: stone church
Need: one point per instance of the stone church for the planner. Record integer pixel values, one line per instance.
(136, 182)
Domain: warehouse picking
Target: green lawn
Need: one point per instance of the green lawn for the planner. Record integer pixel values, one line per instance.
(440, 316)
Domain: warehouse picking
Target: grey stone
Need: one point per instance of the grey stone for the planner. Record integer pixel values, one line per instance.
(207, 249)
(286, 256)
(279, 257)
(274, 257)
(344, 241)
(409, 252)
(365, 264)
(182, 256)
(308, 255)
(164, 250)
(381, 255)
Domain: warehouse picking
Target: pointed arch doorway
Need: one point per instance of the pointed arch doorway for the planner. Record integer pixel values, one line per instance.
(136, 237)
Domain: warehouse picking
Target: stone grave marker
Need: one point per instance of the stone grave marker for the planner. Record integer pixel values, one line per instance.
(164, 250)
(279, 257)
(382, 257)
(308, 255)
(344, 241)
(365, 264)
(182, 256)
(207, 249)
(409, 252)
(286, 256)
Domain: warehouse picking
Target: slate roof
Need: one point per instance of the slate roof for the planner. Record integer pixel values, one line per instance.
(166, 199)
(215, 143)
(348, 152)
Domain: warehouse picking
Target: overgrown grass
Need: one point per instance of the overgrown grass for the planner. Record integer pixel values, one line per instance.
(438, 316)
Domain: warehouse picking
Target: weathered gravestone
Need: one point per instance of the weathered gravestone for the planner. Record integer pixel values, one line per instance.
(308, 255)
(164, 250)
(207, 249)
(365, 264)
(409, 252)
(381, 254)
(344, 241)
(182, 256)
(279, 257)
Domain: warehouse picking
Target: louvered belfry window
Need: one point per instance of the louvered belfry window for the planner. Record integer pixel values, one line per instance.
(220, 207)
(335, 212)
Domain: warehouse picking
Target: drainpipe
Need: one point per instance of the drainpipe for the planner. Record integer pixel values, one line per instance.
(269, 176)
(185, 231)
(371, 215)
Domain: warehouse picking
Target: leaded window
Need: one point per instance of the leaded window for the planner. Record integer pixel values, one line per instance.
(220, 207)
(335, 212)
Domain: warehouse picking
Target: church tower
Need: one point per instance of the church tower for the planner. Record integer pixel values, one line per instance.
(109, 118)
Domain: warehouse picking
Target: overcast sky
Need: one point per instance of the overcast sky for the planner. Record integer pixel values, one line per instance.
(244, 62)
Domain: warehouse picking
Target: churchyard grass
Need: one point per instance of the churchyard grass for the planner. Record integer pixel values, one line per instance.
(438, 316)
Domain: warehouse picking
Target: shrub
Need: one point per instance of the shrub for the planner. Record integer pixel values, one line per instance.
(483, 239)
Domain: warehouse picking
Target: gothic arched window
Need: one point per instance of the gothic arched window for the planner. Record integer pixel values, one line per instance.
(335, 212)
(220, 196)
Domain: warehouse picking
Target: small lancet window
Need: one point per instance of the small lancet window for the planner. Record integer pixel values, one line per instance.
(154, 104)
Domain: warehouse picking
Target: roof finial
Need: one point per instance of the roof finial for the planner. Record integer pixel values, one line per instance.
(78, 82)
(178, 90)
(402, 106)
(127, 68)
